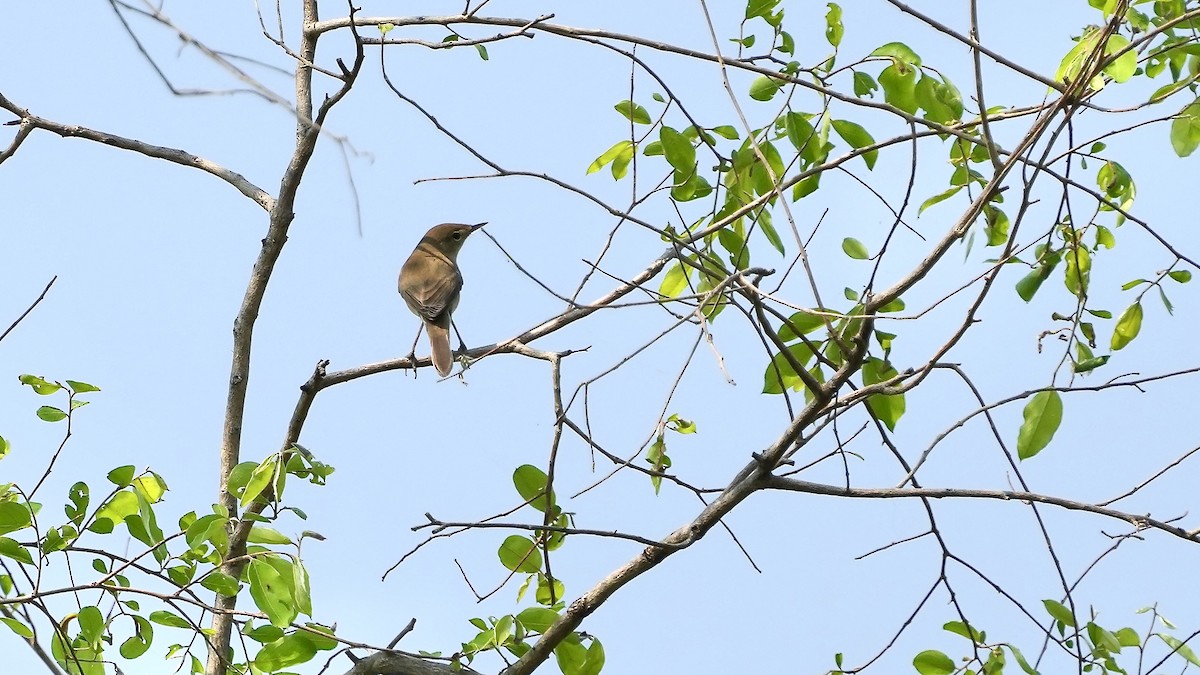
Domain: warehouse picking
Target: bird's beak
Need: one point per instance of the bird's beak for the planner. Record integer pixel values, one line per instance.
(476, 226)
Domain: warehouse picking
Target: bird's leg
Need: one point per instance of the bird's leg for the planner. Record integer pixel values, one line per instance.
(412, 353)
(462, 347)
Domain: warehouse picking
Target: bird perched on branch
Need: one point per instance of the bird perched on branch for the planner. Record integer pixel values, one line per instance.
(430, 284)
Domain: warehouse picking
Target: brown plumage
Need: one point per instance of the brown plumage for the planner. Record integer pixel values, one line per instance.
(430, 284)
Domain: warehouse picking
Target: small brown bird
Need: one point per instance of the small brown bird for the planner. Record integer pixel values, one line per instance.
(430, 283)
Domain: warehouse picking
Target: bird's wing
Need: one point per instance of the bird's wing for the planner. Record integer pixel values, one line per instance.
(431, 300)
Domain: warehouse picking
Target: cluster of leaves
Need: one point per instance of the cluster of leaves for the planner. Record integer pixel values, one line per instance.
(578, 653)
(1099, 646)
(277, 580)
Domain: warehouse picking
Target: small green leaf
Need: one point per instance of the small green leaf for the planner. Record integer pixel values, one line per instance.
(164, 618)
(854, 248)
(81, 387)
(1129, 324)
(17, 627)
(4, 448)
(91, 624)
(1042, 415)
(933, 662)
(122, 475)
(9, 548)
(864, 84)
(888, 408)
(483, 54)
(537, 619)
(262, 477)
(265, 535)
(49, 413)
(858, 138)
(727, 132)
(899, 87)
(139, 642)
(530, 482)
(1185, 130)
(833, 24)
(675, 282)
(969, 632)
(678, 150)
(633, 112)
(272, 591)
(219, 582)
(609, 155)
(900, 52)
(288, 651)
(1059, 612)
(939, 197)
(803, 321)
(1128, 637)
(763, 88)
(1182, 276)
(39, 385)
(14, 516)
(520, 554)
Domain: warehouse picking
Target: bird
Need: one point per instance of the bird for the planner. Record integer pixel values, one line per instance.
(430, 283)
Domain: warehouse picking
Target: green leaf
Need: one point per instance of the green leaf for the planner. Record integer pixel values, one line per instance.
(139, 642)
(888, 408)
(933, 662)
(17, 627)
(620, 164)
(1180, 648)
(833, 24)
(570, 655)
(91, 624)
(1125, 65)
(49, 413)
(609, 155)
(1128, 637)
(899, 87)
(122, 475)
(1030, 283)
(595, 659)
(263, 475)
(780, 375)
(939, 197)
(1042, 415)
(14, 516)
(727, 132)
(864, 84)
(960, 628)
(759, 7)
(520, 554)
(858, 137)
(800, 133)
(633, 112)
(803, 321)
(530, 482)
(81, 387)
(678, 150)
(537, 619)
(854, 248)
(272, 591)
(899, 52)
(482, 49)
(9, 548)
(219, 582)
(288, 651)
(1129, 324)
(266, 535)
(4, 448)
(1181, 276)
(1105, 238)
(164, 618)
(1185, 130)
(1059, 612)
(39, 385)
(763, 88)
(675, 282)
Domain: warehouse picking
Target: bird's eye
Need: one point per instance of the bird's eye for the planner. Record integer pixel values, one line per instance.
(457, 235)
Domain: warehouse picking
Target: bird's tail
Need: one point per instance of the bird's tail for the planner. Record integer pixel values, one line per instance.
(439, 345)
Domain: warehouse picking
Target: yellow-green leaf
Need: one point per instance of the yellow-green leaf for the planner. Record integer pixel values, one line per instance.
(1042, 415)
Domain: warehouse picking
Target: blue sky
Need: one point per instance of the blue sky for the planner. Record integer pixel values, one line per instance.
(152, 261)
